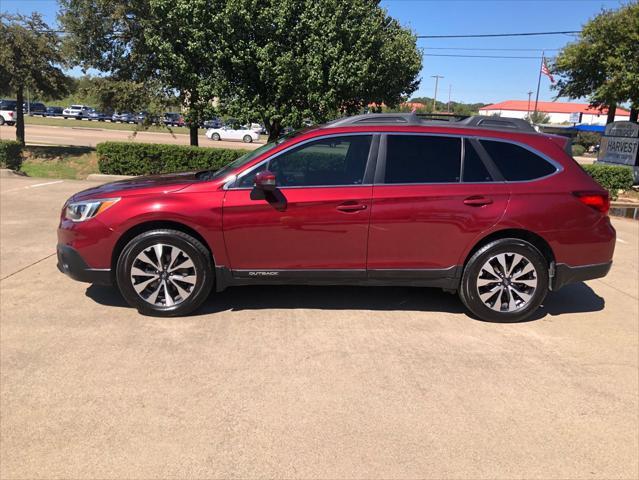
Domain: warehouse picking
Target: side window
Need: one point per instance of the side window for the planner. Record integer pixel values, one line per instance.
(325, 162)
(517, 163)
(422, 159)
(474, 169)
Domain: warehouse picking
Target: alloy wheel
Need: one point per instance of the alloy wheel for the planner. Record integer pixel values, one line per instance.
(507, 282)
(163, 275)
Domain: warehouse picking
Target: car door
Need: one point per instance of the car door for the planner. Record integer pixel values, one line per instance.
(433, 196)
(315, 225)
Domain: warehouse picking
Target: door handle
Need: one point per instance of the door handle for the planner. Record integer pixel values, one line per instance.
(351, 207)
(478, 201)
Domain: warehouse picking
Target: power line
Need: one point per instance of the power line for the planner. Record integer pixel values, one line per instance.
(490, 35)
(472, 49)
(481, 56)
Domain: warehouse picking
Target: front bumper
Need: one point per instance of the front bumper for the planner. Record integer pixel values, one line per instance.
(72, 264)
(565, 274)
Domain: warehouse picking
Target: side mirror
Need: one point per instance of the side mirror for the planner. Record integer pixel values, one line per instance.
(266, 181)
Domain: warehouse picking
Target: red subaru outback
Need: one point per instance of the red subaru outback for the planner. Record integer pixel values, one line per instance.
(486, 207)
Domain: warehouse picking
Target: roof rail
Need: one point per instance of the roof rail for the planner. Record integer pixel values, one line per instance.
(475, 121)
(376, 119)
(498, 123)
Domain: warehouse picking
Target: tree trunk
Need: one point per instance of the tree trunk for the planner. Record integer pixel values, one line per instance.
(274, 130)
(634, 113)
(20, 115)
(612, 109)
(193, 131)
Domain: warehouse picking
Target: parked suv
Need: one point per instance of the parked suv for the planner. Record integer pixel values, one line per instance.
(484, 207)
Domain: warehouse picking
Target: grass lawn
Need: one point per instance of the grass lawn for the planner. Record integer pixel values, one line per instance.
(59, 162)
(61, 122)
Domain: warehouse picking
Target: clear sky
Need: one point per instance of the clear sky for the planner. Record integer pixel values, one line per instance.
(470, 79)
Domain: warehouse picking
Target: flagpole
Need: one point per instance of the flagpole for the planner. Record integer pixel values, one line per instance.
(541, 65)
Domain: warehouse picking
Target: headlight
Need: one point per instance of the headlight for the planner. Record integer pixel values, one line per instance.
(81, 211)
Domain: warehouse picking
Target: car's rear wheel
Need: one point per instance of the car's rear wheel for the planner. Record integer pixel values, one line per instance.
(247, 139)
(505, 281)
(1, 120)
(165, 273)
(215, 136)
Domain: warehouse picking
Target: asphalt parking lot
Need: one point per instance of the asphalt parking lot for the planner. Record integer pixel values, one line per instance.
(306, 382)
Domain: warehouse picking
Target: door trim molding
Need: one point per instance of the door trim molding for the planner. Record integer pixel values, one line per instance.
(446, 278)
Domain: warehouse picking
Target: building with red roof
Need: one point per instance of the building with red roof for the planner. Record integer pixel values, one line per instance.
(559, 112)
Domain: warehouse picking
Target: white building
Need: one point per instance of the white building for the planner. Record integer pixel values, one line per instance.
(559, 112)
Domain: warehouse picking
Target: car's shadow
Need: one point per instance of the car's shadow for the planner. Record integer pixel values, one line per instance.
(575, 298)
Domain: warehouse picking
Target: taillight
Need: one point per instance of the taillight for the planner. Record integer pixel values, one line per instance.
(10, 114)
(598, 200)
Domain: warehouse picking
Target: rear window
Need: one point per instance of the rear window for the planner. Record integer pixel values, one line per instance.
(76, 107)
(422, 159)
(517, 163)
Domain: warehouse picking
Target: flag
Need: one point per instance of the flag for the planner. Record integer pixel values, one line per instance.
(545, 71)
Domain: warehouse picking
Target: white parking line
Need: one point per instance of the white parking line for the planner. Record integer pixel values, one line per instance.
(46, 183)
(34, 186)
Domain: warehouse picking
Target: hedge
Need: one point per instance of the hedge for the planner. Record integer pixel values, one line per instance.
(10, 154)
(578, 150)
(128, 158)
(610, 177)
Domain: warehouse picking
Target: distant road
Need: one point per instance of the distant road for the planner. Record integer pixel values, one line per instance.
(90, 137)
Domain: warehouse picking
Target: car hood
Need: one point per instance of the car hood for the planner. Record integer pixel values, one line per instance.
(139, 185)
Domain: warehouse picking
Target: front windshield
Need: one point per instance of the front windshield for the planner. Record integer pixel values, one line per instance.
(247, 157)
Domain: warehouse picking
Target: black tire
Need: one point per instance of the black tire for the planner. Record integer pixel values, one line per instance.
(192, 247)
(247, 139)
(469, 291)
(215, 137)
(1, 120)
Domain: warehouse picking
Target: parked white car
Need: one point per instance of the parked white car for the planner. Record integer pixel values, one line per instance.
(229, 133)
(76, 111)
(8, 112)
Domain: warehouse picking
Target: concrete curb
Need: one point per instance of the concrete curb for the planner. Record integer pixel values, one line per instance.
(8, 173)
(100, 177)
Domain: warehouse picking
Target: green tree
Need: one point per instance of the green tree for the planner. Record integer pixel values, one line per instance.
(30, 58)
(277, 61)
(537, 118)
(149, 45)
(603, 65)
(288, 60)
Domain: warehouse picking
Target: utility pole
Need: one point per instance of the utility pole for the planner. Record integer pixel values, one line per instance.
(530, 92)
(450, 87)
(436, 77)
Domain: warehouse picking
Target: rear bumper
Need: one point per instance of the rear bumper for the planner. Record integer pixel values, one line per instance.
(565, 274)
(72, 264)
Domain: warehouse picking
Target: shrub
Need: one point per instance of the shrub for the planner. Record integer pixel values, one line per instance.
(578, 150)
(10, 154)
(127, 158)
(610, 177)
(588, 139)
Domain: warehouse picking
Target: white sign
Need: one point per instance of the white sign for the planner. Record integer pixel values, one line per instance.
(620, 144)
(575, 117)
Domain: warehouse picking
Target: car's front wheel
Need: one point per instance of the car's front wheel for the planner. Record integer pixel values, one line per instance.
(165, 273)
(505, 281)
(215, 136)
(247, 139)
